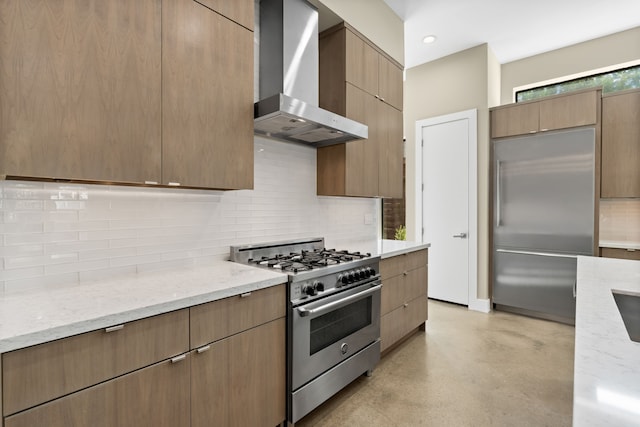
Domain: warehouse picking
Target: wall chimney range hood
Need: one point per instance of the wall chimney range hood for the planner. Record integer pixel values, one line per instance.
(288, 79)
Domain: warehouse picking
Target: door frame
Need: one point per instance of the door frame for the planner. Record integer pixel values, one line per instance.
(472, 116)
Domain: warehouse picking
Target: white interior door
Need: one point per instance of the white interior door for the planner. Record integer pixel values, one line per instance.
(445, 207)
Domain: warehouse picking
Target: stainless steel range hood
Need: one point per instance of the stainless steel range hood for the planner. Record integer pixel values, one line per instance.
(288, 79)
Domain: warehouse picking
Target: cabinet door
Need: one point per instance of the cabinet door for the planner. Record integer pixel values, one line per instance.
(391, 149)
(207, 98)
(361, 64)
(621, 145)
(568, 111)
(390, 83)
(517, 119)
(210, 391)
(361, 172)
(257, 376)
(392, 294)
(80, 89)
(156, 396)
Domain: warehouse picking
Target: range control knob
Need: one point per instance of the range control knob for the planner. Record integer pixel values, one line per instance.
(319, 286)
(367, 272)
(373, 272)
(344, 278)
(310, 290)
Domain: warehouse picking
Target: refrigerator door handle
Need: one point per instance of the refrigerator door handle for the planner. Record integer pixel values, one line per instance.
(547, 254)
(575, 288)
(498, 198)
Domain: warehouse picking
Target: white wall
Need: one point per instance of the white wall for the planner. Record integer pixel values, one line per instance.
(581, 58)
(59, 234)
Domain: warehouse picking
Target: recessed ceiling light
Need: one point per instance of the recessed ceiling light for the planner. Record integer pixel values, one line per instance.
(429, 39)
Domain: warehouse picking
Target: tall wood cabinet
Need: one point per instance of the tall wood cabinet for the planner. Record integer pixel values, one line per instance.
(134, 92)
(621, 144)
(361, 82)
(403, 306)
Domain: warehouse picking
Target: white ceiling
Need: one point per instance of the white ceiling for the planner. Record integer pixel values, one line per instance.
(514, 29)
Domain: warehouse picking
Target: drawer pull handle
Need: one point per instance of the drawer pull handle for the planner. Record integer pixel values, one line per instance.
(203, 349)
(245, 295)
(114, 328)
(405, 305)
(405, 273)
(173, 184)
(178, 358)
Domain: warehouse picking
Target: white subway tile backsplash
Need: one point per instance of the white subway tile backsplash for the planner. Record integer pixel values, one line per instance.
(55, 234)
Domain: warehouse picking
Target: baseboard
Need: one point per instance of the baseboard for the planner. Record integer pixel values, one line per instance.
(482, 305)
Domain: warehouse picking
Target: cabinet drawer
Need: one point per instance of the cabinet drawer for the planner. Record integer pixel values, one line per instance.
(43, 372)
(219, 319)
(619, 253)
(393, 266)
(562, 112)
(151, 397)
(399, 322)
(402, 288)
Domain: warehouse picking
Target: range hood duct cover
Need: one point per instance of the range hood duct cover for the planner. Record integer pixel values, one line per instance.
(288, 79)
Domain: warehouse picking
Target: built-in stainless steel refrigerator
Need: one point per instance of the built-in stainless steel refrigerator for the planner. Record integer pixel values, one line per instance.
(543, 217)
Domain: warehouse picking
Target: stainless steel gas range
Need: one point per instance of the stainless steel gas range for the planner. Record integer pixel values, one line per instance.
(333, 317)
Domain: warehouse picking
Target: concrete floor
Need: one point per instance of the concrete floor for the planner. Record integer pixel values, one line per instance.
(467, 369)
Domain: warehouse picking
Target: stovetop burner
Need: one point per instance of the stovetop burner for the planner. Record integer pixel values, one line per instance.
(306, 260)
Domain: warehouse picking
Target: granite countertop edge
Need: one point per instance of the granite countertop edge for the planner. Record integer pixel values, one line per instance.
(32, 318)
(391, 248)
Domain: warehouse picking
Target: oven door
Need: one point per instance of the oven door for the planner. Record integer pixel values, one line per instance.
(330, 330)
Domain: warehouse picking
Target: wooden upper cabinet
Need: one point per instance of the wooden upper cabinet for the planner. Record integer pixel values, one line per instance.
(207, 84)
(372, 71)
(240, 11)
(390, 83)
(553, 113)
(80, 89)
(361, 64)
(621, 145)
(580, 109)
(391, 151)
(516, 119)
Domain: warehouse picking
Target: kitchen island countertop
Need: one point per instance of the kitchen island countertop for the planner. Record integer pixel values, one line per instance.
(36, 317)
(607, 363)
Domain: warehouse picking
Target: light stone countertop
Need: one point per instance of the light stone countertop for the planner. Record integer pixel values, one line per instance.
(606, 390)
(619, 244)
(389, 248)
(32, 318)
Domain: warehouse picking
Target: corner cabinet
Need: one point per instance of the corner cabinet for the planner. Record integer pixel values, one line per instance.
(165, 97)
(552, 113)
(403, 306)
(361, 82)
(621, 144)
(219, 363)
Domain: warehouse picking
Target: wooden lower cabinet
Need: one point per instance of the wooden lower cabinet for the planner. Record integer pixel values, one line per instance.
(620, 253)
(156, 396)
(403, 305)
(397, 324)
(240, 380)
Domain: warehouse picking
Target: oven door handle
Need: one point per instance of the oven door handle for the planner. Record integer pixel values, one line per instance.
(339, 303)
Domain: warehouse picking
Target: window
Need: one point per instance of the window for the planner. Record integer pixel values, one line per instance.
(611, 81)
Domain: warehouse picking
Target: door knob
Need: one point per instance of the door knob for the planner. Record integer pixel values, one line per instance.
(461, 235)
